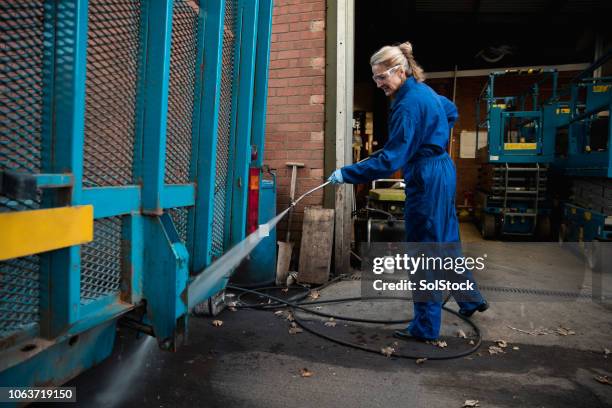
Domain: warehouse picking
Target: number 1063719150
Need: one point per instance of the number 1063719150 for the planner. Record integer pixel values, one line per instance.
(33, 394)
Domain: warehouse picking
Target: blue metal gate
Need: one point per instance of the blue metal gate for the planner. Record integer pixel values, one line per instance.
(145, 114)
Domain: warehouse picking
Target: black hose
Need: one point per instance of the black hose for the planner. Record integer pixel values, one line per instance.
(301, 306)
(280, 305)
(296, 298)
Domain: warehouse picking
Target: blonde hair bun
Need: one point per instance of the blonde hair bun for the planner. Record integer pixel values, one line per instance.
(406, 48)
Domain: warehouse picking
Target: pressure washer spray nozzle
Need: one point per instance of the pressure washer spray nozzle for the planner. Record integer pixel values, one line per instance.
(309, 192)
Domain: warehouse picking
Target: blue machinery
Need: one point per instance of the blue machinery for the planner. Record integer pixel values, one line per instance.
(583, 133)
(583, 142)
(511, 197)
(570, 133)
(144, 123)
(515, 124)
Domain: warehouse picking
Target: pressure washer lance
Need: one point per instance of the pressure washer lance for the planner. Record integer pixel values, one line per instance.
(308, 193)
(222, 268)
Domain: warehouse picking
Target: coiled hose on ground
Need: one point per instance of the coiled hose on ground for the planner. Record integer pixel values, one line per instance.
(297, 303)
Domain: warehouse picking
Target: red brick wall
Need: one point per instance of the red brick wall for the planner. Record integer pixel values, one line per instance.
(295, 117)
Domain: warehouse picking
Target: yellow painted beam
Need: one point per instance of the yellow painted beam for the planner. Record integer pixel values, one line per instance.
(520, 146)
(25, 233)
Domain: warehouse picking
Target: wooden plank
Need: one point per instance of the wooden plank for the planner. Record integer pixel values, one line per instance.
(317, 244)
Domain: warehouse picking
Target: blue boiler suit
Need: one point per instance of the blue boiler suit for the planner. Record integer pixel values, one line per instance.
(419, 127)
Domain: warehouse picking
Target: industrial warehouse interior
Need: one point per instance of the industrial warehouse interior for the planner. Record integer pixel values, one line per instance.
(253, 203)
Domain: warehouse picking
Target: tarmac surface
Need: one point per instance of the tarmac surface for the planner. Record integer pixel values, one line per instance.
(253, 361)
(552, 355)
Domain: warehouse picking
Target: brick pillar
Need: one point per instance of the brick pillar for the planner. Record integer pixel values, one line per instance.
(295, 115)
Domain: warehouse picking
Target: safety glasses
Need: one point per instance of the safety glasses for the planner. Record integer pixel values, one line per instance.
(384, 75)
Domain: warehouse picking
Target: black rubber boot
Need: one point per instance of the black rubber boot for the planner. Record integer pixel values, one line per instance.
(481, 308)
(405, 335)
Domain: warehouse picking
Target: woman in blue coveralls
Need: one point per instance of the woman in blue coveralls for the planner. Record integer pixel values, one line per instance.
(419, 127)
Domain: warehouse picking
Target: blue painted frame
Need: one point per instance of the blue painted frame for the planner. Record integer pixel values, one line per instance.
(231, 182)
(205, 146)
(241, 157)
(157, 77)
(154, 269)
(60, 284)
(198, 98)
(497, 116)
(577, 161)
(262, 64)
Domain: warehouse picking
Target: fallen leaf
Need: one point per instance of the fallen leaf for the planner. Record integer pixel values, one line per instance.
(232, 309)
(420, 360)
(564, 331)
(279, 313)
(314, 294)
(472, 342)
(515, 348)
(438, 343)
(387, 351)
(502, 343)
(290, 316)
(331, 322)
(285, 290)
(217, 323)
(295, 329)
(461, 334)
(471, 403)
(305, 373)
(604, 379)
(495, 350)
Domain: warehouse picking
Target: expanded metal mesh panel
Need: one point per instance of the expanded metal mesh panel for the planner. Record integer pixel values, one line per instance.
(113, 55)
(19, 290)
(181, 91)
(21, 78)
(224, 131)
(183, 57)
(101, 260)
(180, 219)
